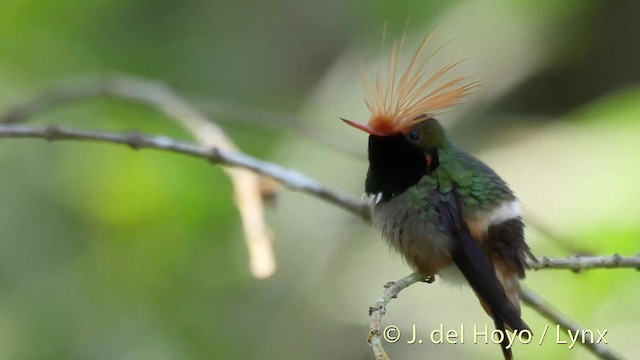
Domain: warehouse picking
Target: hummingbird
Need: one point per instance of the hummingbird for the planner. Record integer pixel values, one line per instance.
(446, 212)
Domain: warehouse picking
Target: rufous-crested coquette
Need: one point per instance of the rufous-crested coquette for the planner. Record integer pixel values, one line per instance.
(444, 210)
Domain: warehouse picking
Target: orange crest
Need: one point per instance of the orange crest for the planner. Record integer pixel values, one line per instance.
(397, 104)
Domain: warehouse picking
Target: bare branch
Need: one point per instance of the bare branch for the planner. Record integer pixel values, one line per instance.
(578, 263)
(290, 178)
(377, 311)
(546, 310)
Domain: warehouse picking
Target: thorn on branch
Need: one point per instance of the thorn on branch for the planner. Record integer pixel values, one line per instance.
(51, 132)
(617, 259)
(544, 261)
(214, 157)
(135, 140)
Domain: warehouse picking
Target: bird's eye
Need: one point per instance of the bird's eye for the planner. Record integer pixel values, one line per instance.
(414, 135)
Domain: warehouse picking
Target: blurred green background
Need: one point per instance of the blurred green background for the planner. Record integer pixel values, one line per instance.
(107, 253)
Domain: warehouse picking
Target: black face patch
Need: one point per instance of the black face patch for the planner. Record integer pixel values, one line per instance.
(395, 164)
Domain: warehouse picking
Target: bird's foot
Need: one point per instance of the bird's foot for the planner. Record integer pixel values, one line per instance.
(429, 279)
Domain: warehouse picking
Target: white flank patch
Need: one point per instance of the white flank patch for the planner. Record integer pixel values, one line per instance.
(505, 212)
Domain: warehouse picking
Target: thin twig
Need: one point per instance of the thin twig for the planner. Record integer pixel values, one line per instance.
(377, 311)
(290, 178)
(546, 310)
(579, 263)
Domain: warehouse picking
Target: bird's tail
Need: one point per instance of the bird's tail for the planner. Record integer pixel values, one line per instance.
(481, 275)
(504, 345)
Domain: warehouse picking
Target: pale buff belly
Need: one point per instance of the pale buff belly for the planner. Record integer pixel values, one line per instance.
(420, 242)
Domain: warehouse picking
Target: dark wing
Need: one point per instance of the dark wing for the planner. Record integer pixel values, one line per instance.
(477, 269)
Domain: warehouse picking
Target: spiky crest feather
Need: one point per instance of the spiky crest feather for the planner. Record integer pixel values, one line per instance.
(396, 105)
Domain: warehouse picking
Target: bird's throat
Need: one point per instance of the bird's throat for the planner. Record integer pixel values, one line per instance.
(395, 165)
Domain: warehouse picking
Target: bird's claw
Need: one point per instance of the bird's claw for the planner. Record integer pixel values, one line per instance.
(372, 333)
(429, 279)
